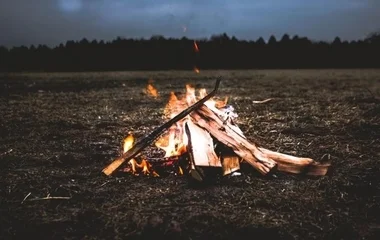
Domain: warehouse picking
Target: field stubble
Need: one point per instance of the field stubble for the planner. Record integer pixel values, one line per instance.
(58, 130)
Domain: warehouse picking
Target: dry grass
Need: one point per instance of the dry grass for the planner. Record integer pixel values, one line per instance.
(63, 128)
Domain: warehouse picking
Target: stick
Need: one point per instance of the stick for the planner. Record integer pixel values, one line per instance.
(5, 153)
(149, 139)
(263, 101)
(50, 198)
(26, 197)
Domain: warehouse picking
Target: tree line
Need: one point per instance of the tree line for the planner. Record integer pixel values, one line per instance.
(216, 52)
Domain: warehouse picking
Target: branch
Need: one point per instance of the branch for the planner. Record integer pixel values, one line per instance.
(263, 101)
(48, 197)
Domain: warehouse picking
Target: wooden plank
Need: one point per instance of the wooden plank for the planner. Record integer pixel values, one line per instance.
(202, 147)
(297, 165)
(224, 133)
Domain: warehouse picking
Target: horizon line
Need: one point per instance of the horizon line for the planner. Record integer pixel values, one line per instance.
(266, 39)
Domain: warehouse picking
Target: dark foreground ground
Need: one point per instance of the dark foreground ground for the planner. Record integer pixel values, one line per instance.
(58, 131)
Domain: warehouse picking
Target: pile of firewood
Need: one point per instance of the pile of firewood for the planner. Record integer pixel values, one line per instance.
(215, 141)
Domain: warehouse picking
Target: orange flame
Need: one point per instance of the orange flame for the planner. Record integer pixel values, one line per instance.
(128, 143)
(196, 48)
(172, 108)
(144, 167)
(151, 90)
(202, 93)
(134, 167)
(173, 143)
(190, 95)
(196, 70)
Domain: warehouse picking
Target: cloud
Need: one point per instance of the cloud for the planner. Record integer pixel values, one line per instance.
(55, 21)
(70, 5)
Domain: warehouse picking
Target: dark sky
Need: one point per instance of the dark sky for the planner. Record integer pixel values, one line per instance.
(25, 22)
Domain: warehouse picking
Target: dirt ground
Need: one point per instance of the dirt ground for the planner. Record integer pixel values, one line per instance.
(59, 130)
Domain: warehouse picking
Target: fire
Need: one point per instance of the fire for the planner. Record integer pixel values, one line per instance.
(144, 167)
(174, 141)
(202, 93)
(128, 143)
(151, 90)
(196, 48)
(190, 95)
(171, 108)
(133, 166)
(196, 70)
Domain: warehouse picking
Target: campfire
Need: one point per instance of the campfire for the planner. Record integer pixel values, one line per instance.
(201, 134)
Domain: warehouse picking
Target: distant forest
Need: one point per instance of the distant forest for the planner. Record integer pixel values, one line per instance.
(217, 52)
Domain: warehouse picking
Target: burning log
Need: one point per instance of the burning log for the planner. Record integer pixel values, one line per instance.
(196, 172)
(224, 133)
(200, 149)
(202, 146)
(260, 158)
(149, 139)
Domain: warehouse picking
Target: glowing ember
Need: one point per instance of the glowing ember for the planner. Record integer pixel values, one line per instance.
(196, 48)
(196, 70)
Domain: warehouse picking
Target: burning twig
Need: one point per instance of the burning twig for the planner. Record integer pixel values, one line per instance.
(149, 139)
